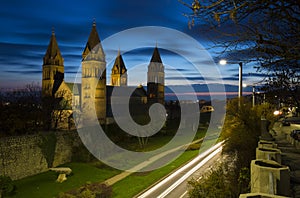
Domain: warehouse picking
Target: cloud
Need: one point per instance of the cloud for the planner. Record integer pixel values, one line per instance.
(175, 69)
(256, 75)
(184, 78)
(28, 72)
(25, 35)
(230, 78)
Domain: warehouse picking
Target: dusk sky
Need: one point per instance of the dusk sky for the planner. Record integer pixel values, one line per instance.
(26, 30)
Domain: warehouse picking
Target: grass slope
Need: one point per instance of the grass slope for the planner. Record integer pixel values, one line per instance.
(44, 185)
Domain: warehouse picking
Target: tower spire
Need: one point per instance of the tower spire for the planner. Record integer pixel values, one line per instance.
(53, 31)
(53, 68)
(93, 42)
(53, 55)
(156, 56)
(119, 71)
(93, 77)
(156, 79)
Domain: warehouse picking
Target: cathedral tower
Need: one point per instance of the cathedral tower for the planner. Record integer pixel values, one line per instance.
(53, 67)
(156, 79)
(119, 72)
(93, 86)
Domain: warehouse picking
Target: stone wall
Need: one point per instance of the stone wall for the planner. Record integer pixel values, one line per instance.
(21, 156)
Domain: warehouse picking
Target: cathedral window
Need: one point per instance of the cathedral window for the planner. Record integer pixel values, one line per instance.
(87, 95)
(87, 86)
(96, 72)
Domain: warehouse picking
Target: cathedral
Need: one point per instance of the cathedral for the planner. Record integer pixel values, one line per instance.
(93, 90)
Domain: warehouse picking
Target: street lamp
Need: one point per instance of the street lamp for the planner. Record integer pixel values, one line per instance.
(224, 62)
(254, 92)
(253, 95)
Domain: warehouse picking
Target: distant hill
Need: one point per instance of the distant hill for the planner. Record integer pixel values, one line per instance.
(204, 92)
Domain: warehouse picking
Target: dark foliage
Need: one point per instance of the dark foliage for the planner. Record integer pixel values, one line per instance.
(6, 186)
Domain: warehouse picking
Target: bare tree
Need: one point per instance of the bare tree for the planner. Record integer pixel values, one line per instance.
(62, 108)
(14, 105)
(265, 31)
(269, 28)
(56, 109)
(282, 86)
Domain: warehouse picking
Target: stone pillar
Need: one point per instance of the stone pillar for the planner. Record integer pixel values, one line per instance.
(269, 154)
(269, 177)
(265, 135)
(260, 195)
(266, 144)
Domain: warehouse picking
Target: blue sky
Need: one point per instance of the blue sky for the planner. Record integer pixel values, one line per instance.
(26, 29)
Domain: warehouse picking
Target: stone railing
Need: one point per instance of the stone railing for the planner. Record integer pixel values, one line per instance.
(269, 179)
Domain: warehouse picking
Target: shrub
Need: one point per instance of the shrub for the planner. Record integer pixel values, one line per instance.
(81, 154)
(241, 131)
(6, 186)
(48, 145)
(213, 184)
(94, 190)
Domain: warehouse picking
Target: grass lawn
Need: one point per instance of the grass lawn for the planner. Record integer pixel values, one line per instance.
(43, 185)
(135, 183)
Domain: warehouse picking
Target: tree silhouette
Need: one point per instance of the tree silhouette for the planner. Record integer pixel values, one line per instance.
(263, 31)
(14, 105)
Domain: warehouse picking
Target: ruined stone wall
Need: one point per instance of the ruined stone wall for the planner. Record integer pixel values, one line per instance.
(21, 156)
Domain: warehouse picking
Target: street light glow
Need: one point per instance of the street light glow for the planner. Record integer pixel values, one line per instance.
(223, 62)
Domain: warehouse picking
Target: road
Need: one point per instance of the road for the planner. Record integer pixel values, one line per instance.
(175, 185)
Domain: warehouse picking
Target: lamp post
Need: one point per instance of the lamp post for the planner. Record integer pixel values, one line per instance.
(253, 96)
(224, 62)
(254, 93)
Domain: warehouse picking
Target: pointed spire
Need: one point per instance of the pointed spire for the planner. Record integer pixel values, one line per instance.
(94, 22)
(53, 31)
(119, 52)
(119, 64)
(92, 42)
(53, 55)
(156, 56)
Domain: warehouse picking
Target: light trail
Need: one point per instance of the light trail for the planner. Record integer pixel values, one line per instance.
(207, 155)
(189, 173)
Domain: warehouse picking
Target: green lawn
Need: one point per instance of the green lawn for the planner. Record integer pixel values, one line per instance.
(43, 185)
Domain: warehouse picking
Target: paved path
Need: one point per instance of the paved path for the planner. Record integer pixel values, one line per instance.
(290, 155)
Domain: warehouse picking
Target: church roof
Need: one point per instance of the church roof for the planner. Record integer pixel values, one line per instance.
(156, 56)
(119, 65)
(92, 43)
(74, 87)
(58, 80)
(139, 92)
(53, 55)
(136, 91)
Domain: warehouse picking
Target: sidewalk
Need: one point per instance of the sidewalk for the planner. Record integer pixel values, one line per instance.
(290, 155)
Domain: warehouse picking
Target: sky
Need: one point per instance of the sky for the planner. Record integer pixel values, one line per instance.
(134, 27)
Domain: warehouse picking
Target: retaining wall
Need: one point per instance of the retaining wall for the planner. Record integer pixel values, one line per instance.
(21, 156)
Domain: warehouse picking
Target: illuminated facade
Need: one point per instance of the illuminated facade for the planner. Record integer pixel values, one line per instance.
(93, 92)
